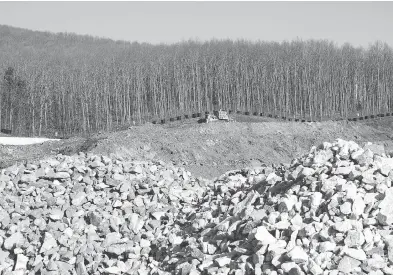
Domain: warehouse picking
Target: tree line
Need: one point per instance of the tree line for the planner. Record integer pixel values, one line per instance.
(75, 84)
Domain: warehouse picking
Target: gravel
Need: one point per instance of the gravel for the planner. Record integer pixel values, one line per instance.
(328, 212)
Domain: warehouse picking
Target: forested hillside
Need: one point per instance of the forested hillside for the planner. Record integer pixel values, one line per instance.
(73, 84)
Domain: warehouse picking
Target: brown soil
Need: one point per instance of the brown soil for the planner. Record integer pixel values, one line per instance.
(208, 150)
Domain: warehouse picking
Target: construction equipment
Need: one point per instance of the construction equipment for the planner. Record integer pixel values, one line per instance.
(217, 115)
(222, 115)
(210, 118)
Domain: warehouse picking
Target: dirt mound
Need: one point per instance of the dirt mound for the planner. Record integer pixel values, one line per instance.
(208, 150)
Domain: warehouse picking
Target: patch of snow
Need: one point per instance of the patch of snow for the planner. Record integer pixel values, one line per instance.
(23, 140)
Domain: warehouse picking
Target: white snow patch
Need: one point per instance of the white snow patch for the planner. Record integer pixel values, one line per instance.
(23, 140)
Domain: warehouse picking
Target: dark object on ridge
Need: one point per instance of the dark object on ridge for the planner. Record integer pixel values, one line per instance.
(186, 116)
(154, 122)
(162, 121)
(6, 131)
(194, 115)
(255, 113)
(179, 118)
(247, 113)
(172, 119)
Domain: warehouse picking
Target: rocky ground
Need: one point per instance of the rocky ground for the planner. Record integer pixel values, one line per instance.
(327, 212)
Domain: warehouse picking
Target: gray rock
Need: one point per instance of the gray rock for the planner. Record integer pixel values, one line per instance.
(49, 243)
(56, 214)
(357, 254)
(315, 200)
(297, 255)
(78, 198)
(343, 226)
(112, 238)
(136, 223)
(15, 240)
(385, 215)
(94, 218)
(28, 178)
(223, 261)
(344, 170)
(52, 266)
(348, 264)
(61, 175)
(354, 238)
(21, 262)
(358, 206)
(322, 157)
(346, 208)
(375, 263)
(263, 235)
(389, 244)
(113, 270)
(375, 148)
(326, 246)
(314, 268)
(3, 255)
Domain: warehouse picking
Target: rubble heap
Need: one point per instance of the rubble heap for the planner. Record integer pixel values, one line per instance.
(328, 212)
(90, 214)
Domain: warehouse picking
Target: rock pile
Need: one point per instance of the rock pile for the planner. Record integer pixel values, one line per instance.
(328, 212)
(89, 214)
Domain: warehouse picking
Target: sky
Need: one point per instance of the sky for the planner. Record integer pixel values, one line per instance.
(358, 23)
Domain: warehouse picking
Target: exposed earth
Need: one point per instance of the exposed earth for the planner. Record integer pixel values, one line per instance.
(209, 150)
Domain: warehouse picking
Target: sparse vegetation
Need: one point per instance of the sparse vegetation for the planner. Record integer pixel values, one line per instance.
(72, 84)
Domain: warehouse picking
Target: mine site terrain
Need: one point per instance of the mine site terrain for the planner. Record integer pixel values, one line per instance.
(209, 150)
(297, 180)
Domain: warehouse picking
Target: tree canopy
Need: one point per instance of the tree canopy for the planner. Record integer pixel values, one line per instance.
(71, 84)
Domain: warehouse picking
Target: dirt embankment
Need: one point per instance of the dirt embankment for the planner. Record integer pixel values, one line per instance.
(208, 150)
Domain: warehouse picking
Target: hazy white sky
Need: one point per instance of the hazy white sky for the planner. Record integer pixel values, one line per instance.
(359, 23)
